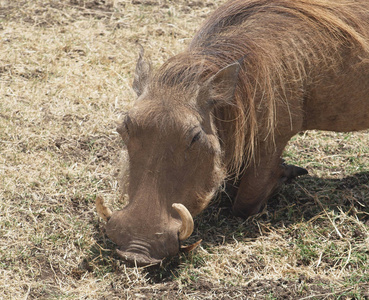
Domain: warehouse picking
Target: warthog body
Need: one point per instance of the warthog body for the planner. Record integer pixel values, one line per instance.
(255, 74)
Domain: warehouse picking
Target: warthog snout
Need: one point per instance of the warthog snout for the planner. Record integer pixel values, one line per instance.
(143, 243)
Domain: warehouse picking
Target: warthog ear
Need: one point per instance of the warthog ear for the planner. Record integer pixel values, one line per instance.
(142, 73)
(219, 89)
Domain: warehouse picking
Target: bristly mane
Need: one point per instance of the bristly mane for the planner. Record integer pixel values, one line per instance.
(284, 43)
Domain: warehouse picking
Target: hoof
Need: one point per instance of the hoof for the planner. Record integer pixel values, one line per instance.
(290, 172)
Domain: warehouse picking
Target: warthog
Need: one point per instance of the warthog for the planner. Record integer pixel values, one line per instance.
(255, 74)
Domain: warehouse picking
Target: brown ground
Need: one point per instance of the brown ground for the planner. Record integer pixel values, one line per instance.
(65, 76)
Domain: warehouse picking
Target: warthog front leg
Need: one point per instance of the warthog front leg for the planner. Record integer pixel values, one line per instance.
(260, 182)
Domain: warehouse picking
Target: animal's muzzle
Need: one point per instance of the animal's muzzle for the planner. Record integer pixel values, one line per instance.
(138, 259)
(138, 253)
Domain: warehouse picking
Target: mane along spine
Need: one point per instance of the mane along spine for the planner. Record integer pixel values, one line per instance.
(284, 45)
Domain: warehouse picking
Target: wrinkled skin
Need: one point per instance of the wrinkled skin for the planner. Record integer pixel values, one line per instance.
(170, 146)
(143, 242)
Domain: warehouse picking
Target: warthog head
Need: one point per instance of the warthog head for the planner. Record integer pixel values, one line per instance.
(174, 161)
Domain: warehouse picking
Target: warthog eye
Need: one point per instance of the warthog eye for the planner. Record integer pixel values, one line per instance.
(195, 138)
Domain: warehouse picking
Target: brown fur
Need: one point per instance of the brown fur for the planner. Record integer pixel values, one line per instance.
(256, 73)
(300, 36)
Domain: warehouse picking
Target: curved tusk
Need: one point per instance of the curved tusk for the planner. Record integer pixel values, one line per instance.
(102, 210)
(190, 248)
(187, 222)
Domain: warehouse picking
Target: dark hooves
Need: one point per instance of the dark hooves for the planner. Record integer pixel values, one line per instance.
(290, 172)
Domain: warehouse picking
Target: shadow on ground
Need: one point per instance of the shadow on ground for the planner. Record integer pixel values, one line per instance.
(296, 202)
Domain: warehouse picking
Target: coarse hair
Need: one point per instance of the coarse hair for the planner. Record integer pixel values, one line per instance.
(282, 45)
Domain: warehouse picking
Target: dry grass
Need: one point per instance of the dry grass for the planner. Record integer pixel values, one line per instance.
(65, 75)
